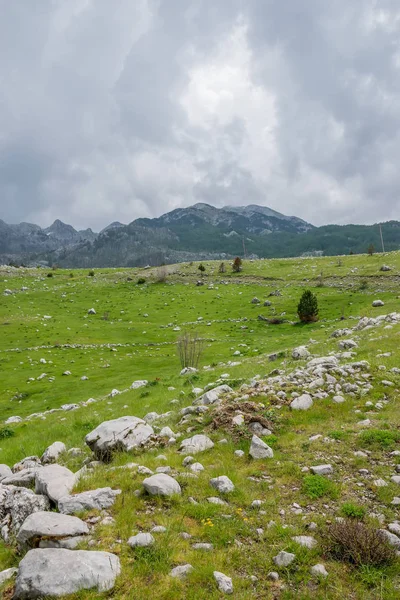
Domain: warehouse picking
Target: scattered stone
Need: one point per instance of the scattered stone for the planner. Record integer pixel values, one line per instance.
(284, 559)
(181, 571)
(52, 572)
(138, 384)
(322, 470)
(53, 452)
(195, 444)
(224, 583)
(125, 434)
(303, 402)
(300, 352)
(5, 471)
(141, 540)
(95, 499)
(202, 546)
(259, 449)
(273, 576)
(7, 574)
(161, 485)
(376, 303)
(307, 541)
(319, 571)
(54, 481)
(222, 484)
(49, 525)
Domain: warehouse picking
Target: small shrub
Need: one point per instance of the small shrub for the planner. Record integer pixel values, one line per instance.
(353, 511)
(237, 265)
(71, 275)
(359, 544)
(307, 308)
(371, 249)
(201, 268)
(379, 439)
(190, 348)
(320, 280)
(6, 432)
(141, 281)
(364, 285)
(50, 274)
(161, 274)
(317, 486)
(91, 273)
(222, 268)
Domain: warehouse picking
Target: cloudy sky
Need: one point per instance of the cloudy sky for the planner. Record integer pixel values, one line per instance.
(113, 110)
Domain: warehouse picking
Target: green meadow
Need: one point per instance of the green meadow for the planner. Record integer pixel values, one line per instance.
(46, 331)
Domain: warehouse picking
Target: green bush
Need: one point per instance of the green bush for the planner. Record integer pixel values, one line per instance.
(379, 438)
(91, 273)
(6, 432)
(353, 511)
(307, 308)
(141, 281)
(317, 486)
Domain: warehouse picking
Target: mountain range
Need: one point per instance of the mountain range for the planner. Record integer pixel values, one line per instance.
(199, 232)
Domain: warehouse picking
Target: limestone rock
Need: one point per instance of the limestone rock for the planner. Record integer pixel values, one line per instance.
(319, 571)
(303, 402)
(259, 449)
(181, 571)
(99, 499)
(52, 453)
(54, 481)
(224, 582)
(5, 471)
(321, 470)
(141, 540)
(125, 433)
(195, 444)
(49, 525)
(222, 484)
(284, 559)
(161, 485)
(57, 572)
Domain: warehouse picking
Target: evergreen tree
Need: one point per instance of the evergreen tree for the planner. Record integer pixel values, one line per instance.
(307, 308)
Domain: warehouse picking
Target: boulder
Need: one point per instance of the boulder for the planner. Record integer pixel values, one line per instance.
(54, 572)
(259, 449)
(138, 384)
(5, 471)
(49, 525)
(141, 540)
(125, 433)
(224, 582)
(303, 402)
(222, 484)
(29, 462)
(54, 481)
(24, 478)
(94, 499)
(195, 444)
(213, 396)
(17, 503)
(181, 571)
(319, 571)
(377, 303)
(300, 352)
(321, 470)
(284, 559)
(161, 485)
(53, 452)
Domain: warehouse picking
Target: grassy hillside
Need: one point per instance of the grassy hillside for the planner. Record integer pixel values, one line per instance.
(46, 329)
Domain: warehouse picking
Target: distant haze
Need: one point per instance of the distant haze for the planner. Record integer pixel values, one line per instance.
(114, 111)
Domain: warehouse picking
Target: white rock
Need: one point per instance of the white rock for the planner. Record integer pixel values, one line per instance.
(51, 572)
(283, 559)
(224, 582)
(54, 481)
(125, 433)
(181, 571)
(11, 420)
(94, 499)
(222, 484)
(321, 470)
(195, 444)
(141, 540)
(303, 402)
(319, 571)
(307, 541)
(376, 303)
(300, 352)
(161, 485)
(139, 383)
(49, 525)
(259, 449)
(53, 452)
(7, 574)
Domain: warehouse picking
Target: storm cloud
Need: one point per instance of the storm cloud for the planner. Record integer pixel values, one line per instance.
(118, 110)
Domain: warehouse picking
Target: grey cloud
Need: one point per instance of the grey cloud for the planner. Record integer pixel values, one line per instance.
(112, 114)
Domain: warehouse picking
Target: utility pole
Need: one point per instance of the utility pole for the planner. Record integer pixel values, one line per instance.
(380, 230)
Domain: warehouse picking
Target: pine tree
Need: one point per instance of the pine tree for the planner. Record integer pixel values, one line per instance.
(308, 307)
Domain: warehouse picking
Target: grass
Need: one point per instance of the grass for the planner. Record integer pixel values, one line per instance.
(137, 340)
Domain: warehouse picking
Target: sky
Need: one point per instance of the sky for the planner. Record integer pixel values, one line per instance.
(114, 110)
